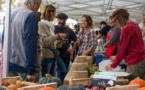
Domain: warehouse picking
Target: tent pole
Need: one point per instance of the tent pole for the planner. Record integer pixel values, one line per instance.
(6, 46)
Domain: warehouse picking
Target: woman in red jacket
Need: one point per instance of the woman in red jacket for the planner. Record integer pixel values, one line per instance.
(131, 47)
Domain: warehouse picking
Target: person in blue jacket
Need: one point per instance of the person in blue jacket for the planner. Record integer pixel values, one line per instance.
(24, 42)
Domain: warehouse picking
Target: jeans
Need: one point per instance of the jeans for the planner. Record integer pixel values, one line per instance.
(48, 66)
(62, 67)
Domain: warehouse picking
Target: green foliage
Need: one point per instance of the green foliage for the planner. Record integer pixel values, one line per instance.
(13, 4)
(3, 2)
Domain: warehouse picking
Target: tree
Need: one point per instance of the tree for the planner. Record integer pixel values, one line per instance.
(13, 4)
(3, 2)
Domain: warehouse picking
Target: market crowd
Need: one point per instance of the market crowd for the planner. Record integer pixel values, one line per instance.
(38, 47)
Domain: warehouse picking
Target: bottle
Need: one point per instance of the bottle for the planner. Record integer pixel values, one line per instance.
(98, 59)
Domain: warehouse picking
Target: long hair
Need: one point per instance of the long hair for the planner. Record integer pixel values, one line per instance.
(89, 21)
(120, 17)
(46, 14)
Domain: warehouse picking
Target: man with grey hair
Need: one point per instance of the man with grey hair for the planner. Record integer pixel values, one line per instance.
(32, 3)
(24, 41)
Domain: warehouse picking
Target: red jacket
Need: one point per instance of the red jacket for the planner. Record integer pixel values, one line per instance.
(131, 46)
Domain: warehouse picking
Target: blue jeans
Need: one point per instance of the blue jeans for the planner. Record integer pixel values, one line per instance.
(48, 66)
(62, 67)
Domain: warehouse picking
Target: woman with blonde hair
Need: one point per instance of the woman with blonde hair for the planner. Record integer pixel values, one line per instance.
(87, 37)
(131, 47)
(48, 40)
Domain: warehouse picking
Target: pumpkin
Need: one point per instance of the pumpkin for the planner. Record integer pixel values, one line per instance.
(143, 88)
(71, 86)
(74, 87)
(47, 88)
(1, 88)
(139, 81)
(50, 79)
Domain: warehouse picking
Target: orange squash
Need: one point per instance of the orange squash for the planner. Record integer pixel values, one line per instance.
(47, 88)
(139, 81)
(143, 88)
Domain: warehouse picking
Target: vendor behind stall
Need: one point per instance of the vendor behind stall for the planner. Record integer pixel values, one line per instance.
(131, 46)
(112, 40)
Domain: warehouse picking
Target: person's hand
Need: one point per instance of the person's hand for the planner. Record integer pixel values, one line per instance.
(31, 78)
(62, 35)
(70, 50)
(112, 58)
(108, 67)
(78, 41)
(83, 54)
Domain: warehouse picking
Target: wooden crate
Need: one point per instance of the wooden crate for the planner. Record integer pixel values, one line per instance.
(121, 81)
(37, 87)
(12, 79)
(79, 74)
(75, 67)
(81, 59)
(125, 87)
(83, 81)
(89, 60)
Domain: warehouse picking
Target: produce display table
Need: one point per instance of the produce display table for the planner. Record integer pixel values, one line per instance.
(37, 87)
(79, 71)
(16, 83)
(125, 87)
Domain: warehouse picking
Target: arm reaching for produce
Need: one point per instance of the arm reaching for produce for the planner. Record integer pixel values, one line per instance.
(108, 67)
(112, 58)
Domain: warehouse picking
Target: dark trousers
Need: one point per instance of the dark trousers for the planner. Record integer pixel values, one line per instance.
(62, 67)
(48, 66)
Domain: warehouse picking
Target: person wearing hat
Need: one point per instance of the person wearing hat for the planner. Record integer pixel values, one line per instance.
(64, 56)
(131, 47)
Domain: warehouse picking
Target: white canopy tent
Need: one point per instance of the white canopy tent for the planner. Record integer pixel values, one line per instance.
(98, 9)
